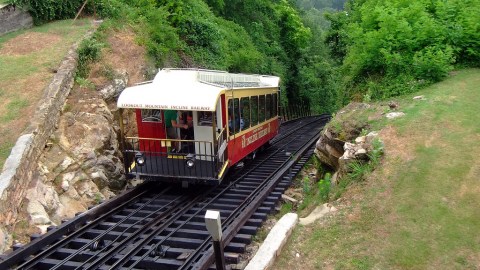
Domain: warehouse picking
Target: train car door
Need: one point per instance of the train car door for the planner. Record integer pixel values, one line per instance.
(221, 115)
(151, 125)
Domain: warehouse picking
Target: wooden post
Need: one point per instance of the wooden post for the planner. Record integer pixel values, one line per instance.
(80, 11)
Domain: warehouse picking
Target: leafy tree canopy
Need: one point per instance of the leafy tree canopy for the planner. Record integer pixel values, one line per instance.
(389, 47)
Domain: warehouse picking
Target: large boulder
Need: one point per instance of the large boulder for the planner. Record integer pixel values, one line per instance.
(340, 144)
(80, 166)
(112, 91)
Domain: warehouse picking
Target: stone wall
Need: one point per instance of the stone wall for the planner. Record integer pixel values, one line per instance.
(13, 19)
(23, 160)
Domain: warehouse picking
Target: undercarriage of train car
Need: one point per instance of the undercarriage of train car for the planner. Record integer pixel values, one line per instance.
(195, 152)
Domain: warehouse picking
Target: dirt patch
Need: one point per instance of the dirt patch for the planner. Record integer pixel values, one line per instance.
(396, 145)
(28, 43)
(31, 91)
(122, 53)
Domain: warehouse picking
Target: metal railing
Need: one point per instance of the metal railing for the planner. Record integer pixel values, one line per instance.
(295, 111)
(161, 161)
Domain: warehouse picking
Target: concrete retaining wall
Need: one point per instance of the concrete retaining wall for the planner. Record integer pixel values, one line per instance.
(21, 165)
(13, 19)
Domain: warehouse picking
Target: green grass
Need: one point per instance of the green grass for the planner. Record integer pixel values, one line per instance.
(23, 76)
(416, 213)
(14, 108)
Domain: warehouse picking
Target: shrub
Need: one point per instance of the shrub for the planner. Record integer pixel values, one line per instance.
(433, 63)
(88, 52)
(109, 9)
(324, 186)
(44, 11)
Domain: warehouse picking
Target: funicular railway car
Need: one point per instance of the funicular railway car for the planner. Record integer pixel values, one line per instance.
(193, 125)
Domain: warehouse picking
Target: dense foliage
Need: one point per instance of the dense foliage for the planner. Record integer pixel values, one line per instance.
(371, 49)
(251, 36)
(391, 47)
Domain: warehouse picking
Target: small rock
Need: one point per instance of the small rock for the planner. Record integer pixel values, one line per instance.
(288, 198)
(43, 228)
(361, 153)
(66, 162)
(393, 105)
(316, 214)
(65, 185)
(360, 139)
(394, 115)
(297, 255)
(348, 146)
(372, 134)
(68, 176)
(39, 219)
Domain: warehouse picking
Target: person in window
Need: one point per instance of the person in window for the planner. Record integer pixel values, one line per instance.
(171, 125)
(187, 134)
(245, 120)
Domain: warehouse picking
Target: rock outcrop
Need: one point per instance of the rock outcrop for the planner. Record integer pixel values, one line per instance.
(340, 144)
(80, 166)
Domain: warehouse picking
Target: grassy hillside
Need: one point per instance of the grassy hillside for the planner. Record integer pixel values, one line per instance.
(419, 209)
(28, 60)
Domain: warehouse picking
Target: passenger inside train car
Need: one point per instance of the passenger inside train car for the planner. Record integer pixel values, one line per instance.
(188, 134)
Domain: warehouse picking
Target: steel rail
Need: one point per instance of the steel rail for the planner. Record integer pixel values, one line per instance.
(99, 237)
(234, 197)
(213, 200)
(70, 227)
(243, 212)
(158, 222)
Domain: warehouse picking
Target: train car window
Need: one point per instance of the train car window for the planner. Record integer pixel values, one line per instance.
(254, 110)
(268, 106)
(261, 108)
(152, 116)
(245, 106)
(234, 115)
(204, 118)
(275, 106)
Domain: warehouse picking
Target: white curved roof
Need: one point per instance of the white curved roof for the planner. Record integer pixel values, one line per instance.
(188, 89)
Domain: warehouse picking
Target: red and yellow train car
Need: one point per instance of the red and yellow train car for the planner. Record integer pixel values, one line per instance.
(195, 124)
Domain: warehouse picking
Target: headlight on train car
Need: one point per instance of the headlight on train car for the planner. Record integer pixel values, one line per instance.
(190, 162)
(140, 159)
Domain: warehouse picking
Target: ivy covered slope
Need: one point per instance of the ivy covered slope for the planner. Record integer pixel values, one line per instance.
(390, 47)
(252, 36)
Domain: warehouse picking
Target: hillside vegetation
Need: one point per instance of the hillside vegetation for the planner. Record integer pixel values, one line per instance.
(326, 55)
(390, 47)
(252, 36)
(28, 60)
(419, 209)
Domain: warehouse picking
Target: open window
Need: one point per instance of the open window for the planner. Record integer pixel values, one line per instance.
(254, 110)
(245, 117)
(261, 108)
(151, 116)
(205, 118)
(234, 115)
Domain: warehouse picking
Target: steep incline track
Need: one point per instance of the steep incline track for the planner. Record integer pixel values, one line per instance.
(156, 226)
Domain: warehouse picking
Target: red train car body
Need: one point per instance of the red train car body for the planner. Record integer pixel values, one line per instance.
(193, 125)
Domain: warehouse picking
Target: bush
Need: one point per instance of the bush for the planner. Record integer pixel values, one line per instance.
(88, 52)
(44, 11)
(393, 46)
(47, 10)
(324, 186)
(112, 9)
(433, 63)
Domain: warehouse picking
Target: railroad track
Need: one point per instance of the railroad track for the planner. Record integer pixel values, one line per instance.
(156, 226)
